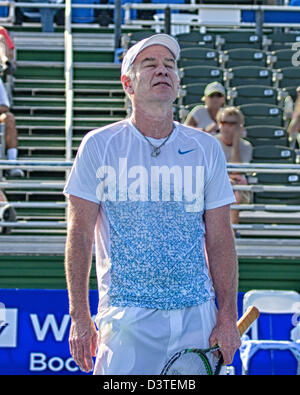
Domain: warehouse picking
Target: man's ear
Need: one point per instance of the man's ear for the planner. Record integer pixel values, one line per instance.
(126, 82)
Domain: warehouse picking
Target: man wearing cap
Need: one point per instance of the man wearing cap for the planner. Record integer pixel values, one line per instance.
(148, 190)
(204, 117)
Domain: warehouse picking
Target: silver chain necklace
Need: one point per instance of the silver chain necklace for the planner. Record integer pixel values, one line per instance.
(156, 149)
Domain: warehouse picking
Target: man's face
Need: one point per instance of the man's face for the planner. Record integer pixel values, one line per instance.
(156, 78)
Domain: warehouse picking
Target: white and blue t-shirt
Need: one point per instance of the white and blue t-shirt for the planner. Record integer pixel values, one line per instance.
(149, 235)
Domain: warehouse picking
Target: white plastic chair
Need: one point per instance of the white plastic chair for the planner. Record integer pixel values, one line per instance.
(271, 302)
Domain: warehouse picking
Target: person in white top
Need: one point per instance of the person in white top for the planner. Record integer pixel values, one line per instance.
(204, 117)
(236, 150)
(151, 192)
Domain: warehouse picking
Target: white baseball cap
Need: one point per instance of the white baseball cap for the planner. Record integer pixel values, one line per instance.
(157, 39)
(214, 87)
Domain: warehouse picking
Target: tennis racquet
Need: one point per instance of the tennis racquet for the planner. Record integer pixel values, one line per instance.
(194, 361)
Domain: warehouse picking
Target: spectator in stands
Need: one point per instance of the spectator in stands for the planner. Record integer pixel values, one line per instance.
(7, 60)
(237, 150)
(48, 14)
(7, 213)
(11, 135)
(294, 126)
(7, 52)
(204, 117)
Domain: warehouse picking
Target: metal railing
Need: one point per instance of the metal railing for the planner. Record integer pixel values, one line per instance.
(66, 165)
(199, 8)
(229, 15)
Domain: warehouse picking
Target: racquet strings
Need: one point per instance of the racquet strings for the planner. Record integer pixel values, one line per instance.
(190, 363)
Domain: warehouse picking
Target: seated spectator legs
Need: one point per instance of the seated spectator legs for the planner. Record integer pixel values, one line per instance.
(2, 197)
(11, 139)
(47, 15)
(242, 197)
(47, 19)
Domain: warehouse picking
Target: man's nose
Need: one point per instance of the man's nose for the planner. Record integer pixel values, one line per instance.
(162, 70)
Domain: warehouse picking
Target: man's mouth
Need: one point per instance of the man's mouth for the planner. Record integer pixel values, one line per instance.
(162, 83)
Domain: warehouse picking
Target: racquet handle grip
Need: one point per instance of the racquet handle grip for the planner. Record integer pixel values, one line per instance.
(246, 320)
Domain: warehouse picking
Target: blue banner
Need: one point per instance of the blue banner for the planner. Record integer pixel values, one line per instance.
(34, 332)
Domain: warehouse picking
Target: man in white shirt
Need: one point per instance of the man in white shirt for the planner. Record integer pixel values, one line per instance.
(154, 191)
(204, 117)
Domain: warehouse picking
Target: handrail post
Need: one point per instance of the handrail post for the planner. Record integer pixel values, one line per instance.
(118, 21)
(259, 20)
(2, 139)
(68, 80)
(68, 84)
(167, 27)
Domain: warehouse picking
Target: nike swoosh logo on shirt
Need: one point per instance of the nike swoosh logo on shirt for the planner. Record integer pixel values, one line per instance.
(185, 152)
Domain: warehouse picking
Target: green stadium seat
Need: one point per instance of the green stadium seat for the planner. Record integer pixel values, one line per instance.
(262, 114)
(198, 56)
(204, 74)
(281, 58)
(249, 94)
(273, 154)
(243, 57)
(130, 39)
(267, 135)
(288, 77)
(280, 40)
(282, 179)
(249, 75)
(196, 39)
(238, 39)
(192, 93)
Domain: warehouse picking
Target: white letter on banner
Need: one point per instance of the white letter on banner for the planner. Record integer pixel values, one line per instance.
(56, 364)
(37, 362)
(50, 321)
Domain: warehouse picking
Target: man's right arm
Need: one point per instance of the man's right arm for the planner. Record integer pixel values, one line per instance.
(82, 216)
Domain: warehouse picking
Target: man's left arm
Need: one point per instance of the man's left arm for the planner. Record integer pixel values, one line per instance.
(223, 267)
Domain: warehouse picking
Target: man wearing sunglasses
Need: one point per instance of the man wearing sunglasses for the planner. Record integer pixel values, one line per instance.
(204, 117)
(237, 150)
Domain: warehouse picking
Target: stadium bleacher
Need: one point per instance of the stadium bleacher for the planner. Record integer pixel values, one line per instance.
(258, 75)
(244, 62)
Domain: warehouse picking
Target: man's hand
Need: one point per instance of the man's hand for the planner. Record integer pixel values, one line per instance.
(83, 343)
(227, 336)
